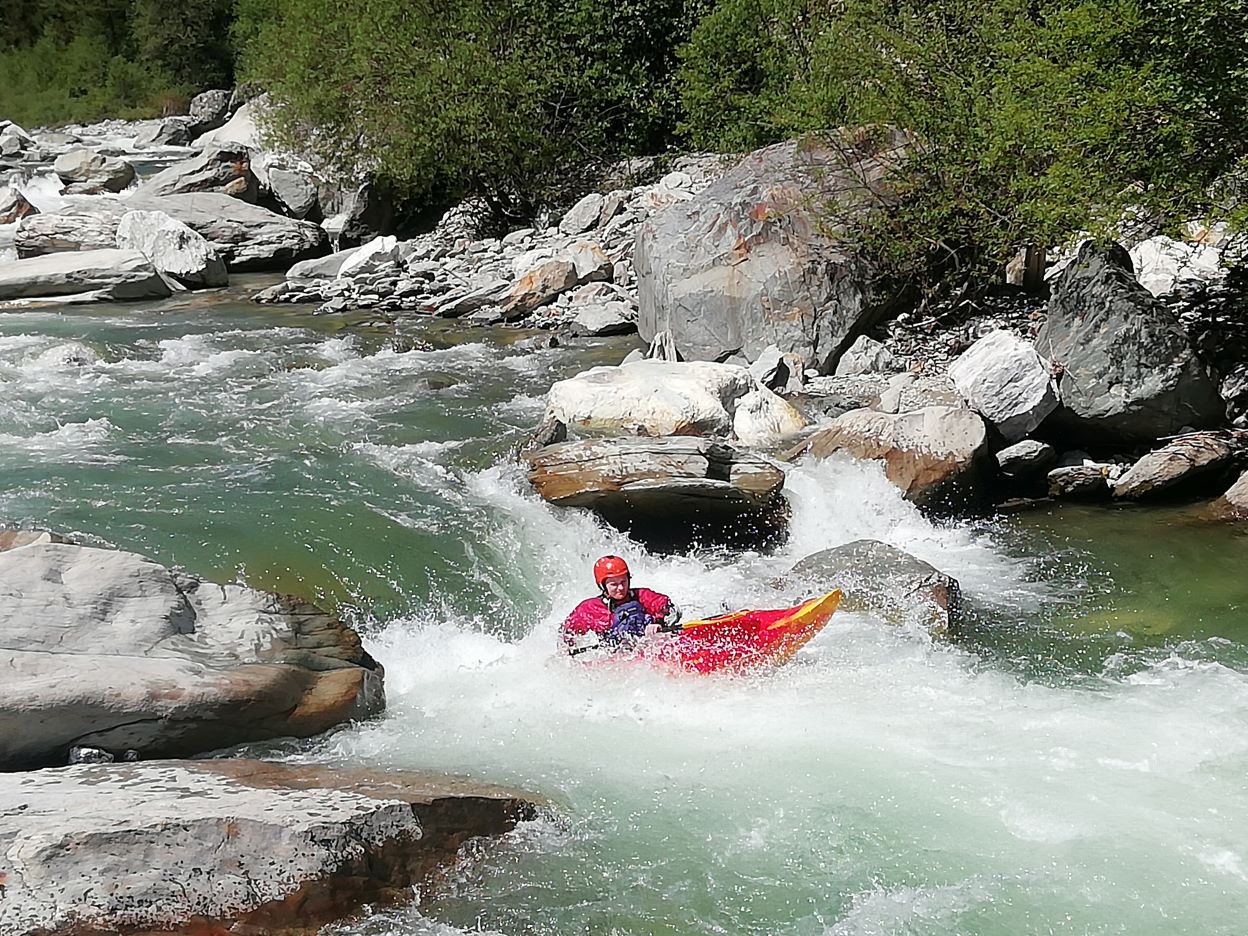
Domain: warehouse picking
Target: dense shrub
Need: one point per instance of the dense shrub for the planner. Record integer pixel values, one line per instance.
(1033, 118)
(518, 101)
(76, 60)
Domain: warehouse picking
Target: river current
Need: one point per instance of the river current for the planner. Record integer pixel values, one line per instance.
(1076, 764)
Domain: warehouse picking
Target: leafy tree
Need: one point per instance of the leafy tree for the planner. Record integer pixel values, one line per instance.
(1031, 119)
(515, 100)
(188, 40)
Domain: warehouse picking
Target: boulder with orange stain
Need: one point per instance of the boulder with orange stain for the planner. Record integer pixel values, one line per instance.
(109, 649)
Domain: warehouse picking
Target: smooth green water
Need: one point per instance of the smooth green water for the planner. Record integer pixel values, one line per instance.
(1075, 764)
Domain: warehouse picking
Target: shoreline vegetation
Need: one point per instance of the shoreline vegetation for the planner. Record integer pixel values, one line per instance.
(1032, 121)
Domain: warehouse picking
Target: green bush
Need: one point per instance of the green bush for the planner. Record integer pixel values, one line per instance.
(1033, 119)
(81, 60)
(48, 83)
(519, 101)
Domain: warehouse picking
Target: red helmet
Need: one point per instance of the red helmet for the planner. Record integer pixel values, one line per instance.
(609, 567)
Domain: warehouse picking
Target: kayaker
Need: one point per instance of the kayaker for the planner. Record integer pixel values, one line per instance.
(619, 614)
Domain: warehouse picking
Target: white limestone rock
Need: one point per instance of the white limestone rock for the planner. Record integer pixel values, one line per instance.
(662, 398)
(172, 247)
(1005, 380)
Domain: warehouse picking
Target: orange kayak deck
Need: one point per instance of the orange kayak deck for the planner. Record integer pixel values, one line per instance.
(742, 640)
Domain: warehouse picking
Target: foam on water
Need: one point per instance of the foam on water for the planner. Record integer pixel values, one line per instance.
(881, 783)
(878, 784)
(70, 443)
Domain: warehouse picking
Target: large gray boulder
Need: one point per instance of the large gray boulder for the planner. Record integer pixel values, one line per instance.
(755, 259)
(209, 110)
(112, 650)
(937, 455)
(248, 237)
(1128, 372)
(886, 582)
(219, 168)
(228, 846)
(294, 190)
(108, 274)
(1003, 379)
(171, 131)
(172, 247)
(92, 168)
(678, 482)
(355, 212)
(55, 233)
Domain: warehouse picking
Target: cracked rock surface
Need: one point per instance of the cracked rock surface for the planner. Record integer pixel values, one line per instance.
(110, 649)
(226, 846)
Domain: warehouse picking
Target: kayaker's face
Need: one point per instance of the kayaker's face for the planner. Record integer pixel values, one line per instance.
(616, 587)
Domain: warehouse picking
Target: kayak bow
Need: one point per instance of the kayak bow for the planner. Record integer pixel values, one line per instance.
(742, 640)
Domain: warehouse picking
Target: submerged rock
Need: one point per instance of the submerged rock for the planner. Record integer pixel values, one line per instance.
(887, 582)
(228, 846)
(109, 649)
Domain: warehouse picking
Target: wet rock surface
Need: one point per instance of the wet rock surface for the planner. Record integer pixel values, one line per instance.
(663, 487)
(109, 649)
(231, 846)
(886, 582)
(937, 455)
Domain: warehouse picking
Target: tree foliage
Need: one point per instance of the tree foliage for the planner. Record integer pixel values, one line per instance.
(1032, 119)
(513, 100)
(66, 60)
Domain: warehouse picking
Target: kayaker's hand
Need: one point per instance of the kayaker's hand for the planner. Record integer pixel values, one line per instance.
(654, 627)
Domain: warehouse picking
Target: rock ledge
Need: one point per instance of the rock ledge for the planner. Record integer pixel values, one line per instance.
(223, 846)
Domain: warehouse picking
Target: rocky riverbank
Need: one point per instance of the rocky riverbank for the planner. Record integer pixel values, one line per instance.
(228, 846)
(112, 657)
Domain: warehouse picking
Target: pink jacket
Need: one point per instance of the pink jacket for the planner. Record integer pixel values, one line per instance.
(593, 614)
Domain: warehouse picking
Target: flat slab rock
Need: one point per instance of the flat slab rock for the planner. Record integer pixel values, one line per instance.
(589, 473)
(227, 846)
(665, 487)
(110, 649)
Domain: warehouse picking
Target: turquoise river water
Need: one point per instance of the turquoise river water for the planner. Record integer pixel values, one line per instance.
(1076, 764)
